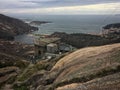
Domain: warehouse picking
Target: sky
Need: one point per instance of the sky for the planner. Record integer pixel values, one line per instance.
(60, 7)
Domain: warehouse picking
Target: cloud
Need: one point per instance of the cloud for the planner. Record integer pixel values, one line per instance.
(11, 4)
(86, 9)
(63, 3)
(50, 3)
(59, 6)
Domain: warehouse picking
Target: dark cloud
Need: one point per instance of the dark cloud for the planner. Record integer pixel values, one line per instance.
(6, 4)
(61, 3)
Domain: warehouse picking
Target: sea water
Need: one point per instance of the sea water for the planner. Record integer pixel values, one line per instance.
(68, 23)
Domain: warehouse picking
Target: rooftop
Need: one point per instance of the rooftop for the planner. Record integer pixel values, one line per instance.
(52, 45)
(45, 40)
(49, 40)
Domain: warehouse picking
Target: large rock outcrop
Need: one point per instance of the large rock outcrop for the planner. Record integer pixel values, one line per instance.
(89, 68)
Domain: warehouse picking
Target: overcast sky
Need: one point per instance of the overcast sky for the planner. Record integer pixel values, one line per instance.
(60, 6)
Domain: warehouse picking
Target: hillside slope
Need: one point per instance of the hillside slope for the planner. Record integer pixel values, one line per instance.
(11, 26)
(14, 60)
(10, 67)
(91, 68)
(16, 49)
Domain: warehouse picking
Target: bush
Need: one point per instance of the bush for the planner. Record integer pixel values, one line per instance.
(21, 87)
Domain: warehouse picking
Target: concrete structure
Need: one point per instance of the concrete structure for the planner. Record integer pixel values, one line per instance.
(52, 48)
(44, 43)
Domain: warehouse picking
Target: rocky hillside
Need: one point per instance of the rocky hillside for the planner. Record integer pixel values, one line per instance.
(91, 68)
(16, 49)
(9, 27)
(14, 59)
(10, 67)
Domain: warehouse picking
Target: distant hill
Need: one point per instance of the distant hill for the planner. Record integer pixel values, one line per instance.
(112, 31)
(114, 25)
(9, 27)
(39, 22)
(80, 40)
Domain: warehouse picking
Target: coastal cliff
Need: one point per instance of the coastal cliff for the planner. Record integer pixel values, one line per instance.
(9, 27)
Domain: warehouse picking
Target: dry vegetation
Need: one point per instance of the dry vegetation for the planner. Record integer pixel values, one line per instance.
(10, 68)
(91, 68)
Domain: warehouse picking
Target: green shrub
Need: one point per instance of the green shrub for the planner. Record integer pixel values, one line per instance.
(21, 64)
(27, 74)
(21, 87)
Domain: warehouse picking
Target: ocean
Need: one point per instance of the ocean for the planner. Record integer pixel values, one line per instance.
(68, 23)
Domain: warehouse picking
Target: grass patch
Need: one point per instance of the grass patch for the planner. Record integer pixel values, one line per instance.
(17, 63)
(27, 74)
(11, 80)
(21, 64)
(32, 70)
(21, 87)
(42, 66)
(116, 57)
